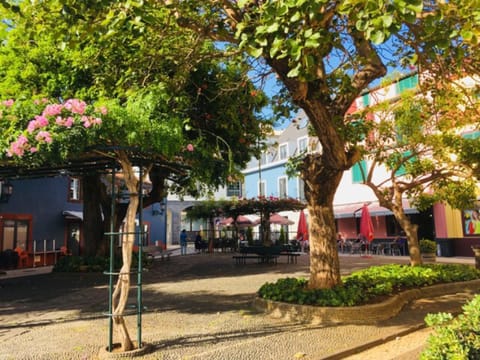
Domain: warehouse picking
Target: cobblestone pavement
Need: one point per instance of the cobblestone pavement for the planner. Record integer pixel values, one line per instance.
(197, 307)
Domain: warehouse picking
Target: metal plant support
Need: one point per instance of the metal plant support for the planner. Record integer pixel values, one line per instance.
(111, 273)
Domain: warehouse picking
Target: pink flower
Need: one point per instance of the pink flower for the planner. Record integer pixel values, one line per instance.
(86, 121)
(103, 110)
(52, 110)
(76, 106)
(33, 149)
(42, 121)
(69, 122)
(190, 147)
(96, 121)
(22, 140)
(8, 102)
(44, 136)
(18, 147)
(32, 125)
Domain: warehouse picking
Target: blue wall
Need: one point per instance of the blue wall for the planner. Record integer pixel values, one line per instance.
(46, 199)
(270, 175)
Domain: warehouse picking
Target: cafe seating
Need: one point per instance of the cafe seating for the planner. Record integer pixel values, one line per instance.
(22, 257)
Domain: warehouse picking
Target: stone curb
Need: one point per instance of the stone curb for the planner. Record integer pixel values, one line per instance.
(365, 314)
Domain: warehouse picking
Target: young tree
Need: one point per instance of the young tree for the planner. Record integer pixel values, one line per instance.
(417, 142)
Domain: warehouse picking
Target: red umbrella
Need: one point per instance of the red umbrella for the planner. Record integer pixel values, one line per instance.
(280, 220)
(366, 225)
(302, 230)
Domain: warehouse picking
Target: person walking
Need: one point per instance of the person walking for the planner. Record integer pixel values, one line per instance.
(183, 242)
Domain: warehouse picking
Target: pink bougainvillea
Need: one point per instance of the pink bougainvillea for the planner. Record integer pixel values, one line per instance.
(76, 106)
(190, 147)
(43, 128)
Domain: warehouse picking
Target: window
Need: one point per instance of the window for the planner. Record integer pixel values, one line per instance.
(301, 190)
(282, 187)
(15, 234)
(472, 135)
(74, 190)
(359, 170)
(262, 188)
(302, 145)
(263, 158)
(234, 189)
(314, 145)
(407, 83)
(283, 151)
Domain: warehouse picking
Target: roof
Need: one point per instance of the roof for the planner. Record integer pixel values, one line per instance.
(353, 210)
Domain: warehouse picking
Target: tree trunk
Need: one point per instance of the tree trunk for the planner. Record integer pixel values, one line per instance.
(120, 293)
(321, 185)
(391, 198)
(411, 233)
(92, 214)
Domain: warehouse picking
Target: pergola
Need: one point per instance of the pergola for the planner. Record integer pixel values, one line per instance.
(97, 160)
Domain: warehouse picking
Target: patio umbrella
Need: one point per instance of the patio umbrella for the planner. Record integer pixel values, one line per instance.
(302, 229)
(280, 220)
(366, 225)
(242, 220)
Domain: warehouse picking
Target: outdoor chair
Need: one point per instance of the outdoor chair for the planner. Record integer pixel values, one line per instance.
(22, 257)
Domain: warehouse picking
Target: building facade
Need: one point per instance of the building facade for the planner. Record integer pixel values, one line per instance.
(44, 218)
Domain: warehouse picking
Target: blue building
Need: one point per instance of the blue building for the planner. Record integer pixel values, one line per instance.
(44, 217)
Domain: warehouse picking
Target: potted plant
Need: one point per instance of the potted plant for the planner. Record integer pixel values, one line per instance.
(428, 250)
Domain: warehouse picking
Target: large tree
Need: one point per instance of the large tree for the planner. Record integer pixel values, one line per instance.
(326, 53)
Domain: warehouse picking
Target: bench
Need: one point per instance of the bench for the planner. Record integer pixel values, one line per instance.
(153, 252)
(291, 256)
(242, 259)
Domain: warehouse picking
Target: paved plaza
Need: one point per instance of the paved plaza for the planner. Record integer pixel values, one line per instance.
(197, 307)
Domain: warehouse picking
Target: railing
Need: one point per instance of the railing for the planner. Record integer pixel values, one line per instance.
(43, 250)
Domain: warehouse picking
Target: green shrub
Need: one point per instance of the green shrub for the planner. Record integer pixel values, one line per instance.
(455, 338)
(427, 246)
(367, 285)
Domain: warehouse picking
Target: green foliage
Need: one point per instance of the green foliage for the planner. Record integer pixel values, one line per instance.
(455, 338)
(166, 87)
(366, 285)
(427, 246)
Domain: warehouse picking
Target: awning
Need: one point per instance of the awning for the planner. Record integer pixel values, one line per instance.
(354, 210)
(75, 215)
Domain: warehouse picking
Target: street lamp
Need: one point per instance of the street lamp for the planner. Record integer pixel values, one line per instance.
(6, 190)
